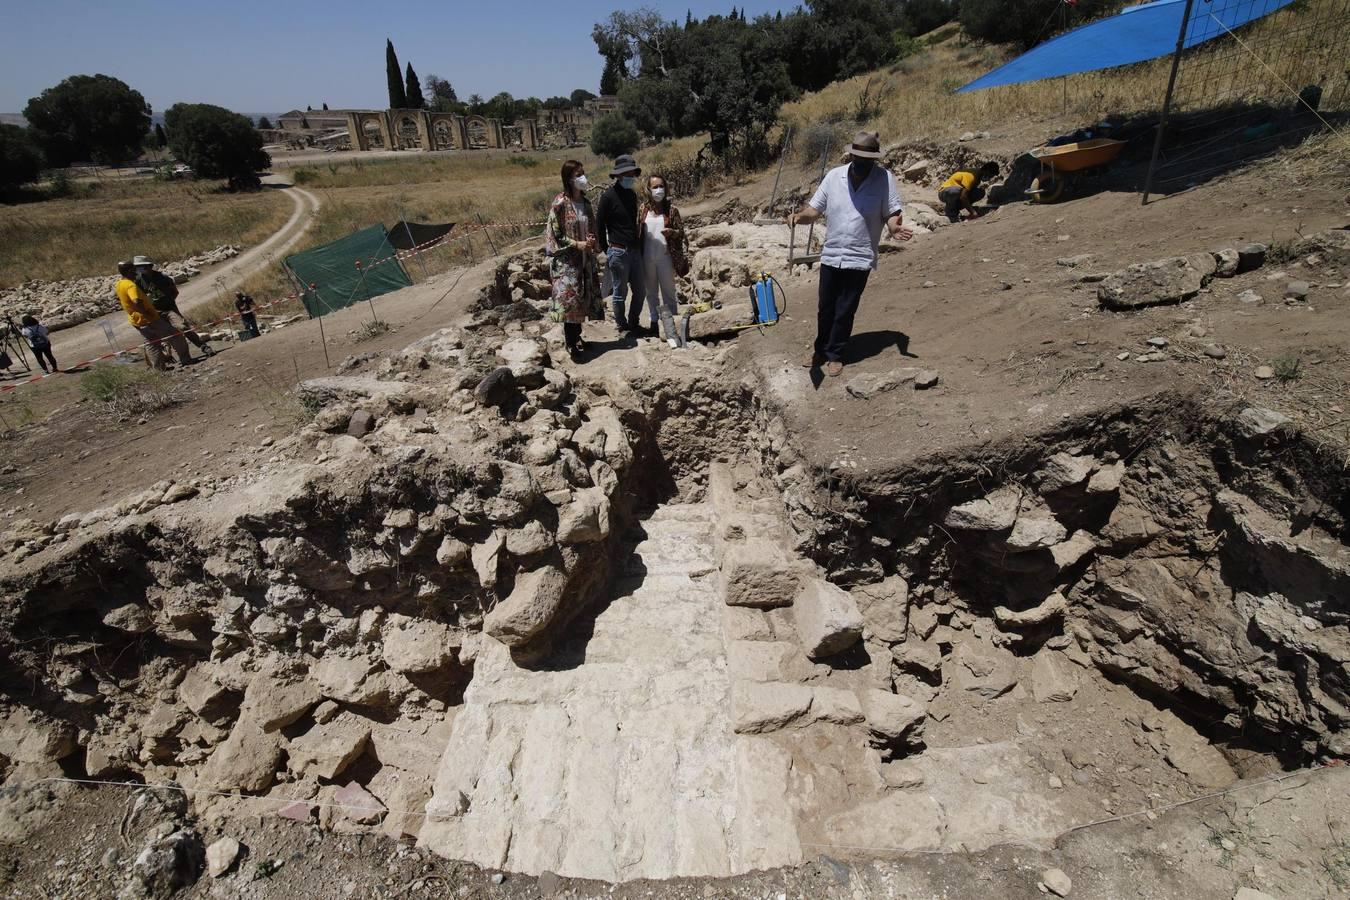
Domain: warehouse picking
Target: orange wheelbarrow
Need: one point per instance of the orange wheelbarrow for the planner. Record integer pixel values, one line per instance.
(1059, 163)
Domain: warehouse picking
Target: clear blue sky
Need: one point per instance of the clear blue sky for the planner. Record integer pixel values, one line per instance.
(253, 56)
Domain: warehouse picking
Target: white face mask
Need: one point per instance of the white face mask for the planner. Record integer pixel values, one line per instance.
(580, 183)
(658, 194)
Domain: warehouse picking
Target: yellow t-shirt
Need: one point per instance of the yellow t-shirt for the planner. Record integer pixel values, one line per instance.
(964, 180)
(135, 304)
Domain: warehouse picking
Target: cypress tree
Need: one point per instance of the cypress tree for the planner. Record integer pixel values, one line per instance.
(162, 140)
(397, 98)
(413, 91)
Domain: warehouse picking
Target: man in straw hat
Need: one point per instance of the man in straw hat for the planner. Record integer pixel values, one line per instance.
(856, 199)
(143, 316)
(163, 294)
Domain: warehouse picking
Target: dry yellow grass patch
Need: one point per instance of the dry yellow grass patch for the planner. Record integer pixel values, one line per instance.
(86, 235)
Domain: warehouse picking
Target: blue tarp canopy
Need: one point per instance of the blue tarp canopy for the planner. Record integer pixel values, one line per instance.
(1138, 33)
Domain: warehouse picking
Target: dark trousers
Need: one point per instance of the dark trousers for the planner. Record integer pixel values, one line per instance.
(571, 334)
(840, 291)
(951, 199)
(625, 268)
(45, 350)
(250, 323)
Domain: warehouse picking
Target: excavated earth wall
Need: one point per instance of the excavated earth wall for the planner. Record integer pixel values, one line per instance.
(617, 626)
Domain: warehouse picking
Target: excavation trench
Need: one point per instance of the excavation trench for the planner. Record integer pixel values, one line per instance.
(648, 638)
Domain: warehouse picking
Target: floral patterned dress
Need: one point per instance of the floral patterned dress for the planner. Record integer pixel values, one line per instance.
(575, 277)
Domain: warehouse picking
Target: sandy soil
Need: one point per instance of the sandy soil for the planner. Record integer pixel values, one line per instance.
(1009, 360)
(1256, 838)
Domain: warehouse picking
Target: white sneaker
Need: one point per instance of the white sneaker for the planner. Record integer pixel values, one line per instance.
(674, 343)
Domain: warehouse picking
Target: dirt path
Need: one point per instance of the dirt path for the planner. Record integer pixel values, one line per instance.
(88, 340)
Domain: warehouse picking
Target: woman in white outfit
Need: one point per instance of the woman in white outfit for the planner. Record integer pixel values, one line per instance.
(665, 252)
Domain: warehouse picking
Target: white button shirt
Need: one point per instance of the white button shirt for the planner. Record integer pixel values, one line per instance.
(855, 218)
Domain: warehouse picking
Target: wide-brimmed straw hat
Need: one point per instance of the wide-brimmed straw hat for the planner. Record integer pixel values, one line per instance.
(625, 165)
(866, 145)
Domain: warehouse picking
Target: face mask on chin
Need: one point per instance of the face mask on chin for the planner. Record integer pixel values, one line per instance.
(863, 167)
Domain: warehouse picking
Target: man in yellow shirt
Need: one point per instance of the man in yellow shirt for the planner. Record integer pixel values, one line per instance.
(963, 191)
(143, 316)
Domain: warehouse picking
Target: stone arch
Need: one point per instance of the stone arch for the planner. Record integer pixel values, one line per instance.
(477, 129)
(406, 133)
(446, 131)
(372, 133)
(443, 135)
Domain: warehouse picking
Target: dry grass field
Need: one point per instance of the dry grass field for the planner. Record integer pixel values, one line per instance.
(914, 98)
(433, 188)
(104, 221)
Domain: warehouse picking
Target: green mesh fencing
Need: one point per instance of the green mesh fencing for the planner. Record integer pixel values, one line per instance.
(331, 279)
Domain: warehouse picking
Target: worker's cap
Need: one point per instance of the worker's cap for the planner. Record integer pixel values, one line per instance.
(866, 145)
(625, 165)
(142, 261)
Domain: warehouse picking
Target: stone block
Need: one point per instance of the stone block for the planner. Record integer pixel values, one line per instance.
(417, 646)
(885, 608)
(893, 717)
(274, 700)
(585, 519)
(995, 512)
(763, 707)
(827, 619)
(1062, 471)
(533, 604)
(1052, 678)
(326, 750)
(247, 760)
(758, 573)
(1170, 280)
(1034, 533)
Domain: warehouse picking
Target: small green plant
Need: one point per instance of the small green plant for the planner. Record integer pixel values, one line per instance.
(128, 391)
(525, 162)
(1287, 368)
(306, 176)
(61, 185)
(870, 101)
(266, 869)
(1280, 252)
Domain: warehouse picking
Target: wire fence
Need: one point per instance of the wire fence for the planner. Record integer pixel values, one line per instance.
(1251, 90)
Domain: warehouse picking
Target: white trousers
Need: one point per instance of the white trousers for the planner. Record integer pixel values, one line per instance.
(660, 272)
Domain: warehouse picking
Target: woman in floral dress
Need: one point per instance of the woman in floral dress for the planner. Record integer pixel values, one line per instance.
(570, 242)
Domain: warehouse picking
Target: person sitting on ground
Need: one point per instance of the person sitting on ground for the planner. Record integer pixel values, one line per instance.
(962, 191)
(570, 244)
(665, 254)
(247, 317)
(616, 234)
(856, 199)
(35, 333)
(163, 294)
(143, 316)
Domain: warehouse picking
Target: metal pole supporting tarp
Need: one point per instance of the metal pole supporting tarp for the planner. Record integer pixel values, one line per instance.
(1167, 103)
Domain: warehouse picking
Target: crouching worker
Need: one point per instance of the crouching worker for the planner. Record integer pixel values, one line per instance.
(143, 316)
(962, 191)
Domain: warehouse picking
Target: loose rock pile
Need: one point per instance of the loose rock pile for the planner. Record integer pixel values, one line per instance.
(63, 304)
